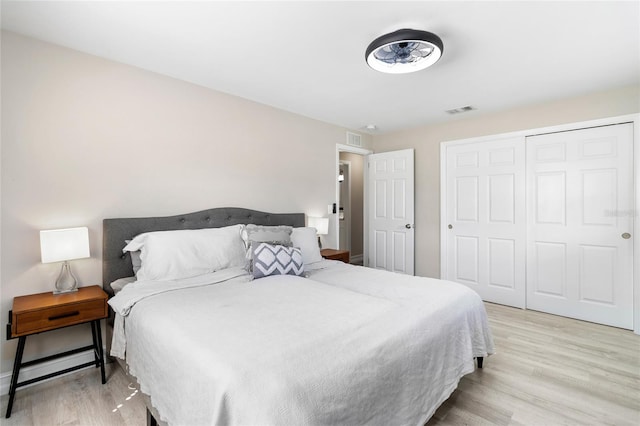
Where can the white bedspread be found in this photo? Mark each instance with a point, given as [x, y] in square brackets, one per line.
[357, 346]
[142, 289]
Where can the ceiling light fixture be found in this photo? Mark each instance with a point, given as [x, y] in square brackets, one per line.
[404, 51]
[461, 109]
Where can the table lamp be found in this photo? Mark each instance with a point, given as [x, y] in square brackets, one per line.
[62, 245]
[322, 226]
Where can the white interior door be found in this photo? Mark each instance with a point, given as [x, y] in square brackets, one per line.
[485, 221]
[391, 211]
[580, 197]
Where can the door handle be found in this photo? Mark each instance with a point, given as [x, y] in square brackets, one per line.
[408, 226]
[450, 226]
[626, 235]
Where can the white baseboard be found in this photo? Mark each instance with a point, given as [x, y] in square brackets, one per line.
[48, 367]
[356, 259]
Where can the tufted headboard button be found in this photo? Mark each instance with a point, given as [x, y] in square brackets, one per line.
[182, 220]
[208, 219]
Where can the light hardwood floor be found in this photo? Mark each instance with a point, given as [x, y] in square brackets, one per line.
[548, 370]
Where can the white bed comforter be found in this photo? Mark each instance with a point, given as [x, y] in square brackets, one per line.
[349, 346]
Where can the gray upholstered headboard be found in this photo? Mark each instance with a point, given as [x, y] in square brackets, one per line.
[116, 265]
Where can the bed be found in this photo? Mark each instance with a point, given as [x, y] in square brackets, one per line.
[340, 345]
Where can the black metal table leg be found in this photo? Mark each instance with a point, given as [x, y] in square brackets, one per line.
[16, 372]
[100, 351]
[96, 353]
[151, 421]
[95, 344]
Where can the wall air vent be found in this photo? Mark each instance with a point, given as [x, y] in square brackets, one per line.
[461, 109]
[354, 139]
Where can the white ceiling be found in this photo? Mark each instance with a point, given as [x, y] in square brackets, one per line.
[308, 57]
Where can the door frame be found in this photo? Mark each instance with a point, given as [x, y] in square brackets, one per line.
[365, 221]
[629, 118]
[347, 216]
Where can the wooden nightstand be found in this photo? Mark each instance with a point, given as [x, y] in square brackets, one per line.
[332, 254]
[42, 312]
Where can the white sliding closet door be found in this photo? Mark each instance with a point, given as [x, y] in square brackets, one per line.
[580, 199]
[485, 219]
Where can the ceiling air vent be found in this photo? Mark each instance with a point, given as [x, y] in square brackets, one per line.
[354, 139]
[461, 109]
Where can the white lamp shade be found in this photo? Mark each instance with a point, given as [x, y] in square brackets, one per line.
[58, 245]
[321, 224]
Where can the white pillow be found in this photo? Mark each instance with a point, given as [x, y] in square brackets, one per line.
[307, 241]
[171, 255]
[135, 259]
[121, 283]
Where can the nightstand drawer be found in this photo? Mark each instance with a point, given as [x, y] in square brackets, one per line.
[342, 255]
[58, 316]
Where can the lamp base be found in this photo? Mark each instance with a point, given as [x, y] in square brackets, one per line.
[65, 291]
[66, 282]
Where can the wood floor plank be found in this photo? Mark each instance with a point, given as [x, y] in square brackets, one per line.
[548, 370]
[554, 370]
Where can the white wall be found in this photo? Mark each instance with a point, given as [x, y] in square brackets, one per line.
[85, 139]
[426, 142]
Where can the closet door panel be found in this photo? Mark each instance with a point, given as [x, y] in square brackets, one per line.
[579, 185]
[485, 228]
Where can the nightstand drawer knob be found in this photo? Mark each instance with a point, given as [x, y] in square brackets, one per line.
[65, 315]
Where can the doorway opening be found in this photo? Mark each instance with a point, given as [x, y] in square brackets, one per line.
[350, 212]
